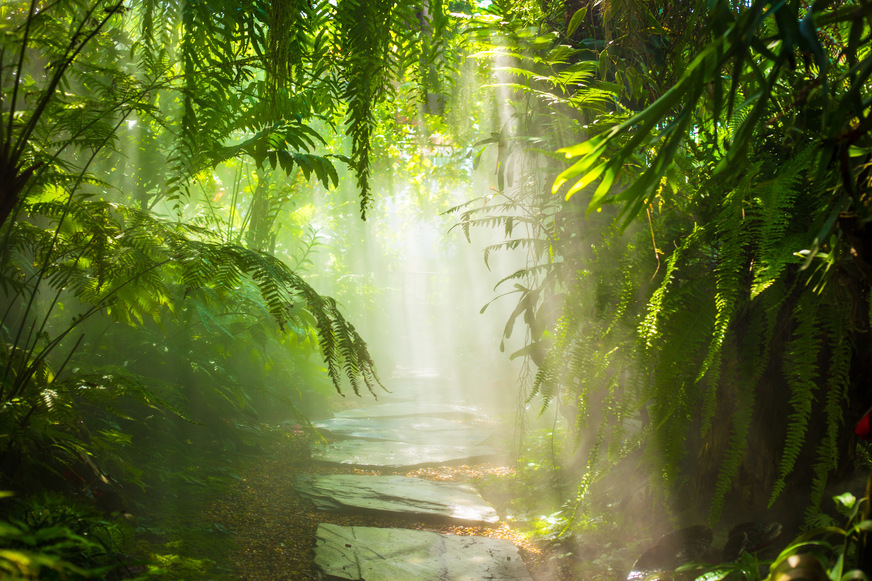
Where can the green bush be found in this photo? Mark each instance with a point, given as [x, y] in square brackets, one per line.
[51, 538]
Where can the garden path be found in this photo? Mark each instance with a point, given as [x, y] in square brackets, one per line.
[410, 429]
[278, 521]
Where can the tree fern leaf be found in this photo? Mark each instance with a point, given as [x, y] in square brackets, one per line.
[836, 390]
[801, 371]
[730, 265]
[740, 425]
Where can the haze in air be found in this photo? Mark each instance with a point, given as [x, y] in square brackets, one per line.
[363, 289]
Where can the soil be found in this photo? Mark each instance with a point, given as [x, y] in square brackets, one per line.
[274, 528]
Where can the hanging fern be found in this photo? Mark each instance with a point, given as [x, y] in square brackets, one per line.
[364, 33]
[801, 369]
[775, 237]
[834, 321]
[649, 329]
[739, 426]
[731, 263]
[128, 261]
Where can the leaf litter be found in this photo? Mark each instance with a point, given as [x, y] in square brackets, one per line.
[274, 528]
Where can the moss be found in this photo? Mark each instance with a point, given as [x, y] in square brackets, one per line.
[189, 552]
[178, 539]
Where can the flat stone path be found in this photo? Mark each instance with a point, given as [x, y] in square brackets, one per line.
[416, 497]
[411, 408]
[411, 429]
[376, 554]
[398, 455]
[407, 434]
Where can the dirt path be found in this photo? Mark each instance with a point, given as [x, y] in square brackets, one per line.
[274, 528]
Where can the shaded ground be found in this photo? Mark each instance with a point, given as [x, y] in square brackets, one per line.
[274, 528]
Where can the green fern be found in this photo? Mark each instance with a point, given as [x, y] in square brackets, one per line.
[801, 370]
[774, 200]
[740, 424]
[834, 322]
[364, 33]
[731, 263]
[144, 250]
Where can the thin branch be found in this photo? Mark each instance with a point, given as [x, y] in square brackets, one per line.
[87, 314]
[7, 153]
[61, 69]
[653, 241]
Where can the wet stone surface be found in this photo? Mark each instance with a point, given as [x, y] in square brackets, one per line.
[387, 554]
[412, 408]
[388, 454]
[412, 430]
[412, 497]
[416, 430]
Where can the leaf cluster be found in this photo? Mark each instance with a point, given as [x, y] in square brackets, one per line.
[734, 188]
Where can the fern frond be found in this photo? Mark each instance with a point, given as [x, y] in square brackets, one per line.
[835, 394]
[364, 30]
[125, 246]
[801, 369]
[774, 198]
[740, 425]
[536, 247]
[731, 241]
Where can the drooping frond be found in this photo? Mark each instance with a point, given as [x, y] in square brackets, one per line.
[131, 255]
[729, 270]
[739, 426]
[835, 393]
[776, 240]
[364, 41]
[801, 369]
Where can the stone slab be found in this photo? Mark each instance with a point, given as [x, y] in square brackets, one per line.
[387, 454]
[377, 554]
[397, 494]
[416, 430]
[412, 408]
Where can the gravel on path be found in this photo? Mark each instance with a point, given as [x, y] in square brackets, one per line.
[275, 528]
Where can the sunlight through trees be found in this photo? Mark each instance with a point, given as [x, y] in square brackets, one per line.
[636, 234]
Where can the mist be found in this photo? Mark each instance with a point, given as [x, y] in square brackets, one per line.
[504, 290]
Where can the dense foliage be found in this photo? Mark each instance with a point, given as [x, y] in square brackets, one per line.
[150, 312]
[697, 298]
[687, 182]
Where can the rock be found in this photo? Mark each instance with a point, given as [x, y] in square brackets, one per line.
[387, 454]
[376, 554]
[417, 430]
[109, 501]
[673, 550]
[397, 494]
[750, 537]
[411, 408]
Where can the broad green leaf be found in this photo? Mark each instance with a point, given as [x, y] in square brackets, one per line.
[583, 148]
[604, 188]
[576, 20]
[581, 166]
[587, 178]
[845, 500]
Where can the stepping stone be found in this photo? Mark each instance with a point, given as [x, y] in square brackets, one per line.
[397, 494]
[415, 430]
[376, 554]
[411, 408]
[387, 454]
